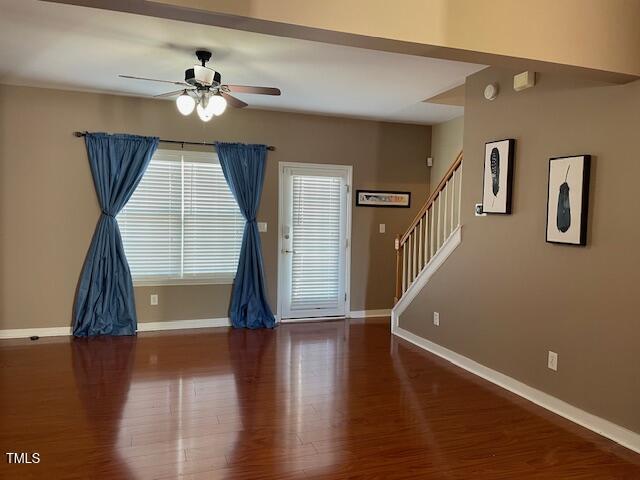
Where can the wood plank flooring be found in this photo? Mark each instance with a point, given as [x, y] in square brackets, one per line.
[333, 400]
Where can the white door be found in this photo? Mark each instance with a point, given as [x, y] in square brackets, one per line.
[314, 245]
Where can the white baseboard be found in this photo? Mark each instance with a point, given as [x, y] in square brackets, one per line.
[310, 319]
[352, 314]
[447, 248]
[39, 332]
[183, 324]
[142, 327]
[171, 325]
[370, 313]
[618, 434]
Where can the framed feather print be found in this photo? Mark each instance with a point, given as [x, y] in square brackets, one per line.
[568, 199]
[498, 176]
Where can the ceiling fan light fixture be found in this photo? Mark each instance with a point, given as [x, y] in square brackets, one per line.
[203, 90]
[204, 113]
[217, 104]
[185, 103]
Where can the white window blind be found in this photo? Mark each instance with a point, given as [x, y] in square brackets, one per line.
[315, 273]
[182, 224]
[213, 224]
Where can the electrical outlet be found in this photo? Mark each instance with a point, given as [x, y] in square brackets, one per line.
[153, 299]
[436, 319]
[552, 361]
[383, 228]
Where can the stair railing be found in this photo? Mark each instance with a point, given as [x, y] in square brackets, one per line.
[434, 223]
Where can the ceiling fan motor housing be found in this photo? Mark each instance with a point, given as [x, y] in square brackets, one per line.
[200, 76]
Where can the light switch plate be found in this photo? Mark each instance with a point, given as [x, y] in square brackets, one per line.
[262, 227]
[552, 361]
[153, 299]
[383, 228]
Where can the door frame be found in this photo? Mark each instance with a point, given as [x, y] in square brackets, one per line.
[348, 169]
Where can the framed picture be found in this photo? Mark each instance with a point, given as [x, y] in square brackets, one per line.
[568, 199]
[498, 176]
[379, 198]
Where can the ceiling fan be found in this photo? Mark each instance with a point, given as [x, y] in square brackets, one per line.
[203, 90]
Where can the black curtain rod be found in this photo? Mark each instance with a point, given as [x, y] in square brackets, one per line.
[178, 142]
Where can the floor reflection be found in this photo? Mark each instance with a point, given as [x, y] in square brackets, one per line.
[403, 361]
[284, 378]
[182, 387]
[102, 368]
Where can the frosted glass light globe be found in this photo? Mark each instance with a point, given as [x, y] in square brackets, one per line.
[185, 103]
[205, 113]
[218, 105]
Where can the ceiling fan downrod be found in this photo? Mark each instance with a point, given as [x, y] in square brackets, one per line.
[204, 56]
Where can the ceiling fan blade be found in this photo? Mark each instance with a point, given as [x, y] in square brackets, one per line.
[233, 101]
[171, 94]
[155, 80]
[256, 90]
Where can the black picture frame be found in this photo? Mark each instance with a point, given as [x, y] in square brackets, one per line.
[510, 164]
[584, 199]
[387, 192]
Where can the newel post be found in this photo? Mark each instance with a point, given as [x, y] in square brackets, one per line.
[398, 270]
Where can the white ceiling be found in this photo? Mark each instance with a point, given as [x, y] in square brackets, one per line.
[70, 47]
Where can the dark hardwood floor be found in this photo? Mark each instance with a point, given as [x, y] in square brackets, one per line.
[317, 400]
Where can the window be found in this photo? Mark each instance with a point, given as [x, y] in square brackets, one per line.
[182, 224]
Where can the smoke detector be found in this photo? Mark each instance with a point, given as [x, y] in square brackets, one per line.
[491, 91]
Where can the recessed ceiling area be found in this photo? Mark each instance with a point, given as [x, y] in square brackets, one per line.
[79, 48]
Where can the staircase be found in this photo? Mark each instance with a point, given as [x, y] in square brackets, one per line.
[433, 234]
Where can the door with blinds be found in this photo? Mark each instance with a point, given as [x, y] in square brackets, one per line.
[314, 244]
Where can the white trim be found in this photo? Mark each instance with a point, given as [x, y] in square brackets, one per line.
[30, 332]
[447, 248]
[183, 324]
[348, 169]
[349, 239]
[618, 434]
[354, 314]
[174, 325]
[311, 319]
[370, 313]
[142, 327]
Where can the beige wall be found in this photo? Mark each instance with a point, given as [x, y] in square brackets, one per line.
[48, 207]
[522, 296]
[446, 145]
[592, 34]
